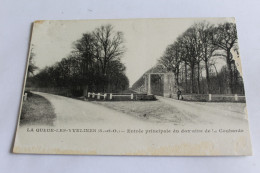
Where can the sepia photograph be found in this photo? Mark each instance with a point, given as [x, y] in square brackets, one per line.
[164, 87]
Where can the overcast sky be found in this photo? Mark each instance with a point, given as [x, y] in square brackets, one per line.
[145, 39]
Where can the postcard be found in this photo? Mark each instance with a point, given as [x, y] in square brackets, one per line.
[160, 87]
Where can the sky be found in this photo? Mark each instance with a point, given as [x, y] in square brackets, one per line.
[145, 39]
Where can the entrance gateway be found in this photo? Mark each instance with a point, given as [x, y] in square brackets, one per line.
[162, 84]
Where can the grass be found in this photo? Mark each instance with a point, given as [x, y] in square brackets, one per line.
[37, 110]
[154, 111]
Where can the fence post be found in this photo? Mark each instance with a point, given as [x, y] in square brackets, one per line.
[132, 96]
[105, 95]
[236, 97]
[111, 96]
[25, 97]
[149, 85]
[209, 97]
[98, 96]
[93, 95]
[88, 94]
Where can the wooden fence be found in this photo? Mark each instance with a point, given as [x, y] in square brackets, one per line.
[120, 96]
[109, 96]
[213, 97]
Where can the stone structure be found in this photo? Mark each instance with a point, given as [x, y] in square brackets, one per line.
[162, 84]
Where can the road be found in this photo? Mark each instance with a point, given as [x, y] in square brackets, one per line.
[72, 112]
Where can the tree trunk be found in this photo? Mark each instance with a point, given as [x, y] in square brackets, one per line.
[85, 90]
[207, 76]
[230, 81]
[219, 81]
[177, 77]
[186, 78]
[192, 79]
[235, 86]
[198, 79]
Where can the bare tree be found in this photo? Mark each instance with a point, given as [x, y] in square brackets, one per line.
[183, 50]
[31, 67]
[84, 52]
[108, 46]
[225, 38]
[205, 31]
[193, 54]
[171, 60]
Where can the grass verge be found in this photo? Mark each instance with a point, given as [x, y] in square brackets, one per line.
[37, 110]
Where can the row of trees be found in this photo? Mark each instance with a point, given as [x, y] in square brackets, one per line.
[194, 55]
[94, 64]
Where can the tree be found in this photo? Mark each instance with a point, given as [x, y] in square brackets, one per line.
[183, 50]
[108, 46]
[225, 38]
[32, 67]
[205, 31]
[84, 53]
[192, 46]
[94, 65]
[171, 60]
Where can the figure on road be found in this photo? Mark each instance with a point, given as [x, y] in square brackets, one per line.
[179, 94]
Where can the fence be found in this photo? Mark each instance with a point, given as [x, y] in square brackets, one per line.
[213, 97]
[230, 98]
[109, 96]
[119, 96]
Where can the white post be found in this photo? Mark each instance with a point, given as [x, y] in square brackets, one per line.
[98, 96]
[25, 97]
[93, 95]
[132, 96]
[88, 94]
[111, 96]
[145, 84]
[149, 84]
[105, 95]
[236, 97]
[209, 97]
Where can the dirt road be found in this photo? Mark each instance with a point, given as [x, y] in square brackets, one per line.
[72, 112]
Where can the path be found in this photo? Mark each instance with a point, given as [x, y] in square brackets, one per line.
[72, 112]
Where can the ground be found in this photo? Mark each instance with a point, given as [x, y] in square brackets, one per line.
[154, 111]
[165, 110]
[77, 113]
[115, 119]
[37, 110]
[180, 112]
